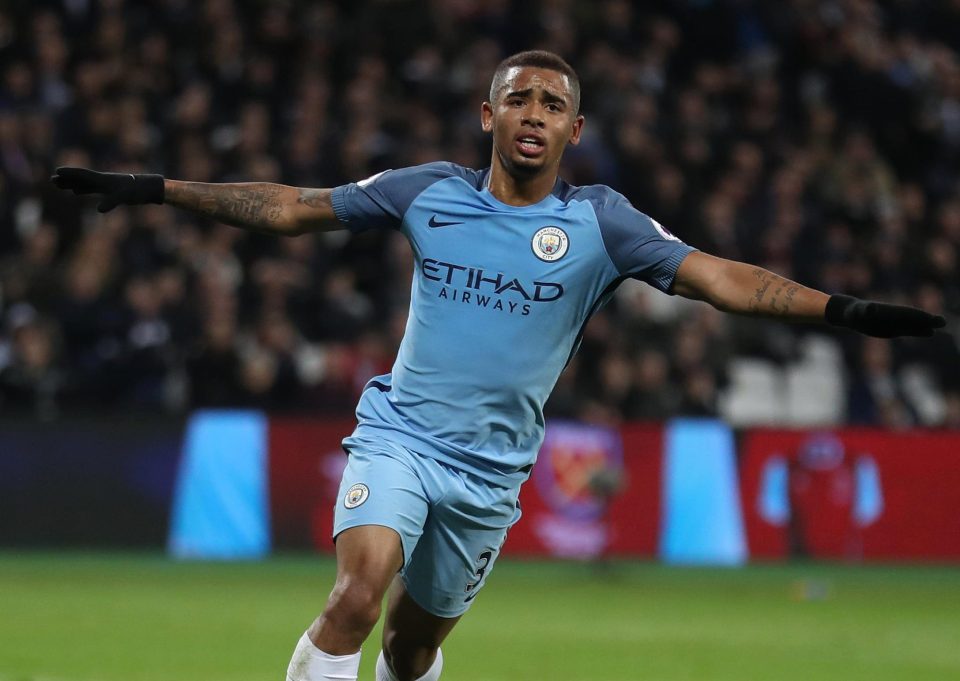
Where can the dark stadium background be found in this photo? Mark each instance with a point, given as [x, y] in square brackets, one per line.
[817, 138]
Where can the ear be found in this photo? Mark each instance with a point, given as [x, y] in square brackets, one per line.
[577, 129]
[486, 117]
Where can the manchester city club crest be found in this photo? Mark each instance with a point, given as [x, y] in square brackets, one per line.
[356, 495]
[550, 243]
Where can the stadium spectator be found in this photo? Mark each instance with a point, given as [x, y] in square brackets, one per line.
[821, 140]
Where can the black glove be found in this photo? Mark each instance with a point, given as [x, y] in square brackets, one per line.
[116, 188]
[881, 319]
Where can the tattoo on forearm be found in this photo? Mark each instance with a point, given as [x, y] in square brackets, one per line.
[760, 303]
[764, 278]
[776, 295]
[791, 292]
[315, 198]
[256, 205]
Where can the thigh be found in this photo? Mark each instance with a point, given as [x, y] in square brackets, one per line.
[460, 544]
[368, 558]
[379, 488]
[370, 553]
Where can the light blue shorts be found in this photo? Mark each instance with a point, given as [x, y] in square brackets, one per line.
[451, 523]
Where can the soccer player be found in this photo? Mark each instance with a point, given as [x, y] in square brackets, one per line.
[511, 262]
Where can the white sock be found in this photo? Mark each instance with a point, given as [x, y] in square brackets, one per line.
[309, 663]
[384, 673]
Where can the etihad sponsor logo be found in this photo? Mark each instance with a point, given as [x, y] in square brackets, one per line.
[483, 288]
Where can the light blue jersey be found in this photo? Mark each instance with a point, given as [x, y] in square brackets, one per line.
[499, 300]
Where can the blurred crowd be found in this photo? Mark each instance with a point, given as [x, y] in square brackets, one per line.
[817, 138]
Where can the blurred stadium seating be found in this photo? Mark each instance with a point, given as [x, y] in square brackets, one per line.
[819, 139]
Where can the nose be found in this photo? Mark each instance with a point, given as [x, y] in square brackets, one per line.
[533, 116]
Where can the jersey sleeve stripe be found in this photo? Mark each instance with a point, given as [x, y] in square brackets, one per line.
[340, 205]
[667, 271]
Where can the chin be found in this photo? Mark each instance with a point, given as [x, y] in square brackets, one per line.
[527, 166]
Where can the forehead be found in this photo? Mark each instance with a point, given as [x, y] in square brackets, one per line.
[520, 78]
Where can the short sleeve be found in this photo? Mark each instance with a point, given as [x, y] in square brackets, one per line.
[639, 246]
[380, 201]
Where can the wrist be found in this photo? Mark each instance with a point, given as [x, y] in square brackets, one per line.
[149, 188]
[837, 308]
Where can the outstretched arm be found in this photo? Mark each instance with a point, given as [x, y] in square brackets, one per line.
[746, 289]
[260, 206]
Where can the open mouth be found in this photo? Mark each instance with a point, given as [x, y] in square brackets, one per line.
[530, 145]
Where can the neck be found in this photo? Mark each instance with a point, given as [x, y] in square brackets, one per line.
[519, 191]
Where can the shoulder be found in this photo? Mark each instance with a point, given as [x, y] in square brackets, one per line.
[448, 169]
[612, 208]
[397, 188]
[381, 200]
[637, 244]
[427, 174]
[600, 196]
[403, 185]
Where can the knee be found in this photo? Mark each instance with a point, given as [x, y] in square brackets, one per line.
[354, 605]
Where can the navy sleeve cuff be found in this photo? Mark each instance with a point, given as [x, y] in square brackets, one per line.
[339, 202]
[668, 271]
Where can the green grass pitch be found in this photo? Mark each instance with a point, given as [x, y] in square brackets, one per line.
[80, 617]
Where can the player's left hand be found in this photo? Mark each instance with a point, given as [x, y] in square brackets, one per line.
[882, 320]
[114, 188]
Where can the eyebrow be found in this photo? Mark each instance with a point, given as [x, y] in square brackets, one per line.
[547, 95]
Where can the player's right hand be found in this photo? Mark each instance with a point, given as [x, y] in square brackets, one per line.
[881, 320]
[115, 188]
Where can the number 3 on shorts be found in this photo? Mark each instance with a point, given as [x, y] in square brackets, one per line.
[482, 563]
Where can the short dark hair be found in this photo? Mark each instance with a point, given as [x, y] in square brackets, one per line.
[539, 59]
